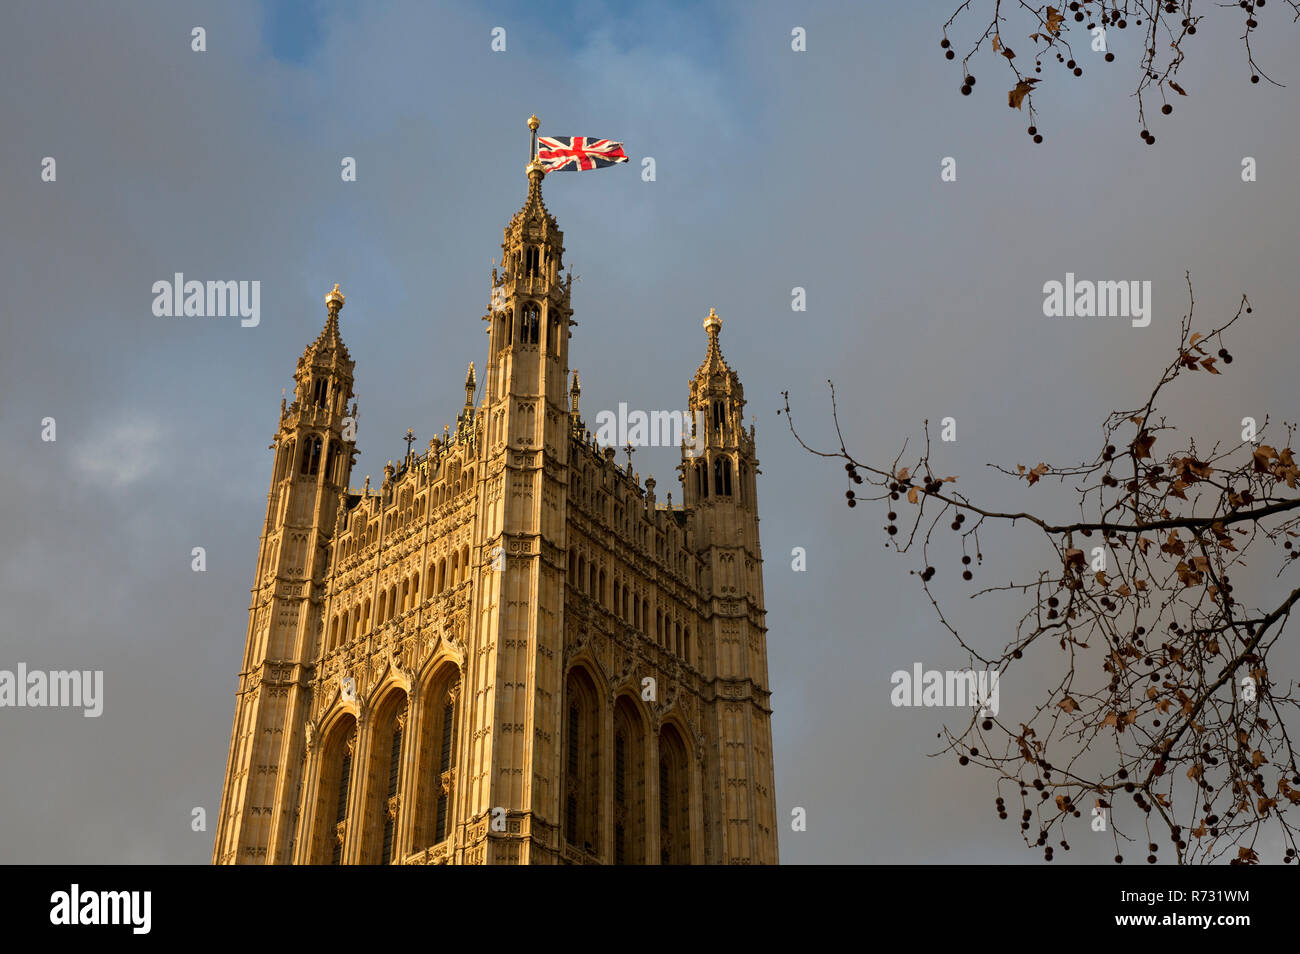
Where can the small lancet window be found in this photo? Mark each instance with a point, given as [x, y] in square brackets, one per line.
[532, 262]
[318, 398]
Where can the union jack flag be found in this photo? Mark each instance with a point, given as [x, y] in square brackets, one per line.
[574, 153]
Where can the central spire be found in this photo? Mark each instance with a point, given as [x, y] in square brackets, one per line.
[529, 311]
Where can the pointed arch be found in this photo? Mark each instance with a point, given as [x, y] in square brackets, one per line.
[334, 463]
[674, 797]
[722, 477]
[311, 449]
[629, 783]
[436, 775]
[338, 746]
[530, 323]
[581, 802]
[382, 806]
[287, 455]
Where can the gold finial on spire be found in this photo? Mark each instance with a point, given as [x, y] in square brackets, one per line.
[712, 323]
[334, 300]
[533, 164]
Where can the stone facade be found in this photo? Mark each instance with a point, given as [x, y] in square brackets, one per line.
[511, 652]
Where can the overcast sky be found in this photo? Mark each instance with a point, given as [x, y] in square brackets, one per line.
[775, 169]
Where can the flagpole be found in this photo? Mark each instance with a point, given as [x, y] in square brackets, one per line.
[533, 123]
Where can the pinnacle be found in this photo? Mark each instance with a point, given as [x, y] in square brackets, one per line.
[714, 363]
[330, 339]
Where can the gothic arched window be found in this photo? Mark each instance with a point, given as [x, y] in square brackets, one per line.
[390, 816]
[311, 456]
[532, 262]
[674, 798]
[334, 463]
[286, 461]
[530, 324]
[582, 748]
[446, 748]
[438, 757]
[722, 477]
[331, 808]
[318, 397]
[629, 783]
[379, 780]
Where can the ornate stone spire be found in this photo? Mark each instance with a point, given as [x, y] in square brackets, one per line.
[534, 209]
[329, 339]
[714, 363]
[471, 385]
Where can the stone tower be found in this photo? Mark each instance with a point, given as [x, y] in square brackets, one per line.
[313, 461]
[720, 485]
[517, 680]
[512, 652]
